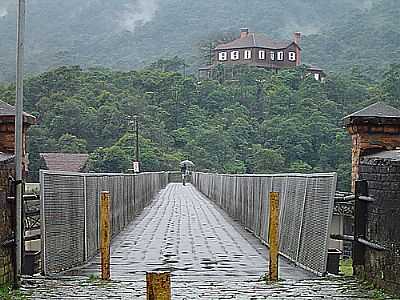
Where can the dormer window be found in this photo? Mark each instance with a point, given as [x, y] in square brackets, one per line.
[280, 55]
[292, 56]
[261, 54]
[234, 55]
[247, 54]
[272, 56]
[222, 56]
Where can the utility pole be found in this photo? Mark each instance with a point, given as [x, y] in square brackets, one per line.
[137, 137]
[19, 241]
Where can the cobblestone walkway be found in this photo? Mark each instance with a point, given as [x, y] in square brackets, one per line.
[213, 289]
[210, 257]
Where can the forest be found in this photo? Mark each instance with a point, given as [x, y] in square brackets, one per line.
[263, 122]
[128, 34]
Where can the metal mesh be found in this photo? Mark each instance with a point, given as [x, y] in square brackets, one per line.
[306, 208]
[70, 212]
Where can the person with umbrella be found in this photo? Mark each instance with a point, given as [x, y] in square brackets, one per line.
[185, 169]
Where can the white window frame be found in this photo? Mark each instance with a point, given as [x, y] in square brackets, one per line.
[261, 54]
[292, 56]
[317, 76]
[280, 55]
[247, 54]
[272, 54]
[222, 56]
[235, 55]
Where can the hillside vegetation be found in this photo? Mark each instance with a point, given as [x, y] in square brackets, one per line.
[126, 34]
[262, 123]
[370, 39]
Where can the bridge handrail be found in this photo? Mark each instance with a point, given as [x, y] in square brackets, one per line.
[306, 209]
[70, 211]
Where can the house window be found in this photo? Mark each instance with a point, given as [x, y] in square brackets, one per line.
[292, 56]
[234, 55]
[272, 55]
[280, 55]
[316, 76]
[261, 54]
[247, 54]
[222, 56]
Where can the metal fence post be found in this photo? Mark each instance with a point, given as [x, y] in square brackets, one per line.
[158, 286]
[360, 218]
[105, 235]
[273, 235]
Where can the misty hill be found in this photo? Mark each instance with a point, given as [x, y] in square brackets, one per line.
[367, 38]
[125, 34]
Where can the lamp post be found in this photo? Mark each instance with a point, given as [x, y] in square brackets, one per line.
[136, 165]
[19, 241]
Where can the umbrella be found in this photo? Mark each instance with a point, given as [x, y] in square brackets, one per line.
[186, 163]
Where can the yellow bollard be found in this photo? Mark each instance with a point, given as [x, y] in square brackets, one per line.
[273, 235]
[158, 286]
[105, 235]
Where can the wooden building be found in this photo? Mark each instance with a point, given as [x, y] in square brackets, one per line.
[257, 50]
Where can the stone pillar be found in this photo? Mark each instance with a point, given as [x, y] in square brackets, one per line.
[7, 168]
[373, 129]
[6, 253]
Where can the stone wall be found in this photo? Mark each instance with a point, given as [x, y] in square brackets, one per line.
[382, 171]
[6, 261]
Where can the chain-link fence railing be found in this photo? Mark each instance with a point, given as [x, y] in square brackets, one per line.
[70, 212]
[306, 208]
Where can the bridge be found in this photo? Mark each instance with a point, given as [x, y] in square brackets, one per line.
[211, 234]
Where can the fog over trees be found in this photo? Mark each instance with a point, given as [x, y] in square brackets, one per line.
[126, 34]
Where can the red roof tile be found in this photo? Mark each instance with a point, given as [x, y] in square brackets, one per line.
[69, 162]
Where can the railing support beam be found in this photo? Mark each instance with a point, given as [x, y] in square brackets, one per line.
[105, 235]
[158, 286]
[273, 235]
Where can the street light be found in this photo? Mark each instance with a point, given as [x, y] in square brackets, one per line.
[19, 240]
[136, 165]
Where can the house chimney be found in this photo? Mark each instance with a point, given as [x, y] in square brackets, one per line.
[373, 129]
[297, 38]
[244, 32]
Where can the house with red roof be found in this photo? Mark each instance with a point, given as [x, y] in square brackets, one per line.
[257, 50]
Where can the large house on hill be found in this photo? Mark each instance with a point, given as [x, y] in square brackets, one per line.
[256, 49]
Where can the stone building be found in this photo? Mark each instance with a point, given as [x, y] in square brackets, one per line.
[7, 170]
[382, 172]
[375, 134]
[373, 129]
[6, 222]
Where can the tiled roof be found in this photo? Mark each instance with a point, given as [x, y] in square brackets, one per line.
[6, 157]
[379, 110]
[69, 162]
[387, 155]
[254, 40]
[7, 110]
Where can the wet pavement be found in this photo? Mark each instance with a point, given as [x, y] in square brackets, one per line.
[77, 288]
[185, 233]
[210, 257]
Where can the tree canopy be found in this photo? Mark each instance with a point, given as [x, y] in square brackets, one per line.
[262, 122]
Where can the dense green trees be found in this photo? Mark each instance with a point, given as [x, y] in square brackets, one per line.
[338, 33]
[260, 123]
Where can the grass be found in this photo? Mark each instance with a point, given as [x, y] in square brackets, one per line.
[346, 267]
[265, 278]
[7, 293]
[94, 278]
